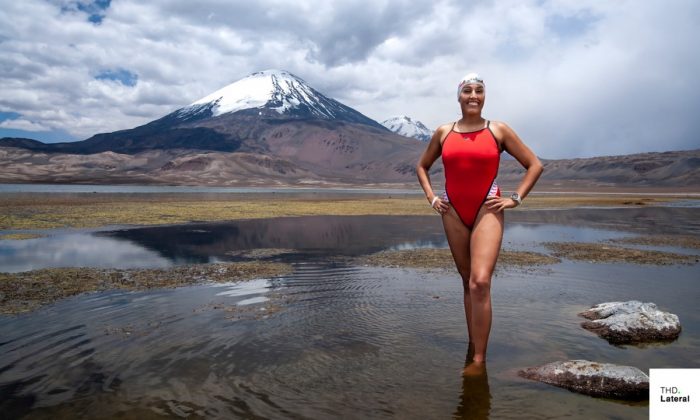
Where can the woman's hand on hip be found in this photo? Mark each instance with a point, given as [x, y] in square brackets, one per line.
[440, 206]
[499, 203]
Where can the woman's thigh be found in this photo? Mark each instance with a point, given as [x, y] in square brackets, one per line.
[458, 239]
[486, 239]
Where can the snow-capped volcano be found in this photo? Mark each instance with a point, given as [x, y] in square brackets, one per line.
[275, 90]
[405, 126]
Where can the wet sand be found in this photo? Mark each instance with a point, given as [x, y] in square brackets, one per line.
[25, 211]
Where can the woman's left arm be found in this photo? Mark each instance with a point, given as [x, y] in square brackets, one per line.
[512, 144]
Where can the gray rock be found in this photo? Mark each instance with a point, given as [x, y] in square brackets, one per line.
[631, 322]
[594, 379]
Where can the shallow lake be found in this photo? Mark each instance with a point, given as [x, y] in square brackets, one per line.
[333, 338]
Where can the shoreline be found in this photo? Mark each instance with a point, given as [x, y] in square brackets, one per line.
[45, 211]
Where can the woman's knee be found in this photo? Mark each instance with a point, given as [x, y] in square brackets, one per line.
[480, 283]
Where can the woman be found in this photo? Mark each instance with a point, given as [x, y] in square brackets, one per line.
[472, 206]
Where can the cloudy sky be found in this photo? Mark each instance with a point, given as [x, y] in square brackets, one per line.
[575, 78]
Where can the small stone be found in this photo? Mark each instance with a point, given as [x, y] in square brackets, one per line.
[631, 322]
[591, 378]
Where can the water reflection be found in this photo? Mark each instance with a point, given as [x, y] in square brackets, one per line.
[320, 237]
[475, 400]
[664, 220]
[76, 250]
[310, 236]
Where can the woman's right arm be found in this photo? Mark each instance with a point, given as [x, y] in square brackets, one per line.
[432, 152]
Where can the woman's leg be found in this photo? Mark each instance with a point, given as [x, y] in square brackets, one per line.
[458, 239]
[485, 242]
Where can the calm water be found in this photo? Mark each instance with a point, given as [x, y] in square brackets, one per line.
[332, 339]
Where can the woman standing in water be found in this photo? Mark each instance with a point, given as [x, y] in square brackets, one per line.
[471, 206]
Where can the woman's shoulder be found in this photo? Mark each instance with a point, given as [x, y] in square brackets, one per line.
[499, 128]
[498, 124]
[442, 131]
[444, 128]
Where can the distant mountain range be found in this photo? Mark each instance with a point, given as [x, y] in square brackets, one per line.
[408, 127]
[276, 127]
[272, 129]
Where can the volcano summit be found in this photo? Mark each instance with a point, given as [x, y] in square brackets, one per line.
[274, 90]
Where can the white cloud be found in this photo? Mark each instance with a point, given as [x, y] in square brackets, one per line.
[21, 124]
[574, 78]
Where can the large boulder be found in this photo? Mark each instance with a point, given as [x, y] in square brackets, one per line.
[631, 322]
[594, 379]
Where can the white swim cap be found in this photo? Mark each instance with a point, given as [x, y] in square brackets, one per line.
[470, 79]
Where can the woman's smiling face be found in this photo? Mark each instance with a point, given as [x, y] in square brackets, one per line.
[471, 97]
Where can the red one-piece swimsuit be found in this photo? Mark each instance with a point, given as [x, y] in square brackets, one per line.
[471, 164]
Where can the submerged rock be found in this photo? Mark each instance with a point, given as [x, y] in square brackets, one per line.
[594, 379]
[631, 322]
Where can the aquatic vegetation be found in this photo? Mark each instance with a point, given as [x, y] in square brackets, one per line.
[604, 253]
[258, 253]
[442, 258]
[682, 241]
[26, 291]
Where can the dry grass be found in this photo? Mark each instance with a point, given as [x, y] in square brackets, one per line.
[84, 213]
[19, 236]
[604, 253]
[22, 292]
[593, 200]
[47, 211]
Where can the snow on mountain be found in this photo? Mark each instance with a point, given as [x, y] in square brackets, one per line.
[276, 90]
[405, 126]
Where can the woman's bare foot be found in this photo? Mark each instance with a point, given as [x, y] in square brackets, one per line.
[474, 369]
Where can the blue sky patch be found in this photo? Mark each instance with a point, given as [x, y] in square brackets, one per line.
[55, 136]
[122, 76]
[94, 9]
[9, 116]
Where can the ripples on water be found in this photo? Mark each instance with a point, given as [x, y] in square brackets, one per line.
[332, 339]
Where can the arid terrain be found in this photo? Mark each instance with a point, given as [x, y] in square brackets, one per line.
[655, 172]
